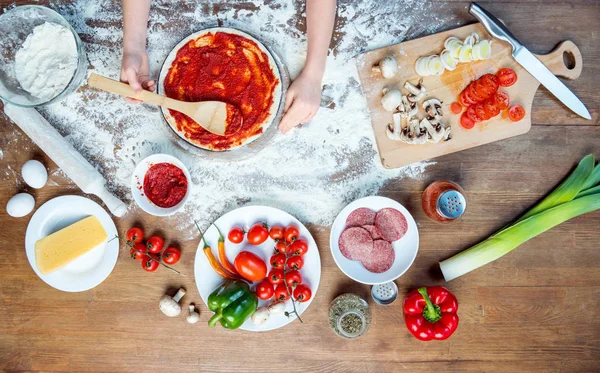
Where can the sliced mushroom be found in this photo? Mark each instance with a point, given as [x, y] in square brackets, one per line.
[433, 109]
[394, 130]
[416, 92]
[392, 98]
[434, 134]
[387, 67]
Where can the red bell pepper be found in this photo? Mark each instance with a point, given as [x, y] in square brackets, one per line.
[430, 313]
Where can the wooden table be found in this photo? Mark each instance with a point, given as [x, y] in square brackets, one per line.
[535, 310]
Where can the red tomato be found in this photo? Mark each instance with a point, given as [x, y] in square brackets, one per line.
[298, 247]
[302, 293]
[277, 261]
[502, 100]
[150, 265]
[480, 110]
[236, 235]
[134, 235]
[463, 99]
[472, 114]
[483, 89]
[276, 232]
[474, 93]
[291, 233]
[276, 276]
[506, 77]
[456, 108]
[258, 234]
[264, 290]
[295, 262]
[491, 81]
[171, 255]
[281, 247]
[155, 244]
[138, 251]
[293, 278]
[490, 108]
[281, 293]
[250, 266]
[516, 113]
[466, 122]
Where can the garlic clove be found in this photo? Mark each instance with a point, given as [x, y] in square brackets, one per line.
[260, 316]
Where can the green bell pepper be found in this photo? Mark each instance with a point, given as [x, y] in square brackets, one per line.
[232, 302]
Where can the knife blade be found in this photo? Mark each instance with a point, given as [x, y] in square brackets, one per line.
[530, 62]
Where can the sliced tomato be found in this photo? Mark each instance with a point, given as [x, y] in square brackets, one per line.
[480, 111]
[502, 100]
[465, 99]
[466, 122]
[474, 94]
[484, 88]
[492, 81]
[506, 77]
[490, 108]
[456, 108]
[472, 114]
[516, 113]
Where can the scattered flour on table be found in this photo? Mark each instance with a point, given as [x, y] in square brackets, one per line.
[46, 62]
[311, 173]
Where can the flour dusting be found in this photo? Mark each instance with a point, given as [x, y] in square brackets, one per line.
[311, 173]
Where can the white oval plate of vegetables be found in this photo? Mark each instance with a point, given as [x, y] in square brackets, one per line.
[207, 279]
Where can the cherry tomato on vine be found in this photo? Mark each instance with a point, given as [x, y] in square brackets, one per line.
[138, 251]
[155, 244]
[293, 278]
[276, 276]
[298, 247]
[236, 235]
[134, 235]
[277, 261]
[295, 263]
[291, 233]
[258, 234]
[281, 293]
[302, 293]
[276, 232]
[516, 113]
[150, 265]
[506, 77]
[171, 255]
[265, 290]
[281, 247]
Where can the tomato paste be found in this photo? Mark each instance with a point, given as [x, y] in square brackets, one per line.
[165, 185]
[223, 67]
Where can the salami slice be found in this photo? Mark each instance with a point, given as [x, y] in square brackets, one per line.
[374, 231]
[391, 223]
[381, 257]
[359, 217]
[355, 243]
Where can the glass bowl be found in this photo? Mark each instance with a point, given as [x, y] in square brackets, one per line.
[15, 25]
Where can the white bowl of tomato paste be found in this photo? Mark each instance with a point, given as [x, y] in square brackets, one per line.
[160, 184]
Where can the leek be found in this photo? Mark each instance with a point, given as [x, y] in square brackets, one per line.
[587, 192]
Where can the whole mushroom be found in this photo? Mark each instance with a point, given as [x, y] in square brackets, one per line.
[192, 317]
[170, 305]
[387, 67]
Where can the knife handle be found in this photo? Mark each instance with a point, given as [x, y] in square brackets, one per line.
[494, 26]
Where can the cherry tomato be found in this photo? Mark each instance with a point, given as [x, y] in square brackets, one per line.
[281, 293]
[134, 235]
[150, 265]
[302, 293]
[155, 244]
[265, 290]
[281, 247]
[456, 108]
[466, 122]
[502, 100]
[277, 261]
[293, 278]
[236, 235]
[250, 266]
[171, 255]
[295, 262]
[516, 113]
[291, 233]
[298, 247]
[258, 234]
[506, 77]
[276, 232]
[276, 276]
[138, 251]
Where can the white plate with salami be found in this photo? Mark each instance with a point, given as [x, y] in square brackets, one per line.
[374, 240]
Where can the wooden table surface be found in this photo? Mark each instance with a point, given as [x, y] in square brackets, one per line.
[535, 310]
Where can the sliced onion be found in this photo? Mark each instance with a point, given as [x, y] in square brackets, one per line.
[435, 65]
[485, 49]
[421, 66]
[465, 53]
[448, 61]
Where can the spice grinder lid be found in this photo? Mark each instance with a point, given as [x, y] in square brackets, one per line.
[385, 294]
[451, 204]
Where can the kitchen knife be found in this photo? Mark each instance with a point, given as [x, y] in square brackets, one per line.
[530, 62]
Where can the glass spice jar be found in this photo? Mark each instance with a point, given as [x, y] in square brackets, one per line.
[349, 316]
[444, 201]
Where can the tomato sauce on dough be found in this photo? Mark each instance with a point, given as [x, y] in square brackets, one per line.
[165, 185]
[223, 67]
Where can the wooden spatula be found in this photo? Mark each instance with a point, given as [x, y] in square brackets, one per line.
[212, 115]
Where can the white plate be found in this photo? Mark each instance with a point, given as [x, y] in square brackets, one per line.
[90, 269]
[207, 280]
[405, 248]
[137, 181]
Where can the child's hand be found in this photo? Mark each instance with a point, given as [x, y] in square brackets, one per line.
[135, 71]
[302, 101]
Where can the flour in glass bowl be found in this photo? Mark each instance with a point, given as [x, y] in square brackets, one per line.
[46, 62]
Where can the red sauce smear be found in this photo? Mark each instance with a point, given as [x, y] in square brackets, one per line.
[165, 185]
[222, 67]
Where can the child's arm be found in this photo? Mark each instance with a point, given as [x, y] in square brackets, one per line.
[135, 67]
[303, 98]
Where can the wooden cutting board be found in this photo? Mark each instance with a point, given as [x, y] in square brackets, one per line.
[447, 87]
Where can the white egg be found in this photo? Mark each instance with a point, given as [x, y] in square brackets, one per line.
[20, 205]
[34, 173]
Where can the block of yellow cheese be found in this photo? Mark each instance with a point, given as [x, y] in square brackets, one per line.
[60, 248]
